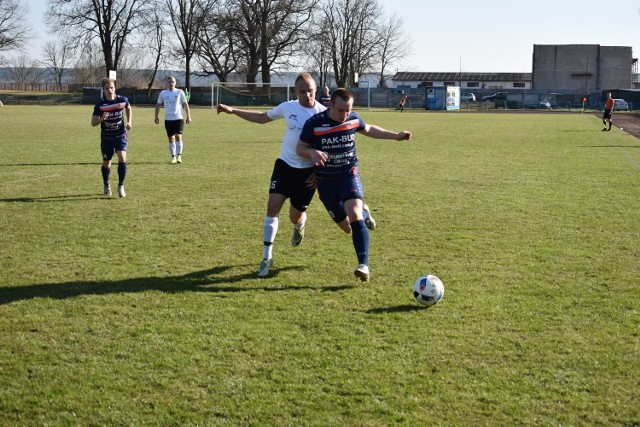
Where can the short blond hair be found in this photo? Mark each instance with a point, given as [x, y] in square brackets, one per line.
[305, 77]
[108, 81]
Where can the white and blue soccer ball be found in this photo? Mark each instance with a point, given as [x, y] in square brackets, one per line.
[428, 290]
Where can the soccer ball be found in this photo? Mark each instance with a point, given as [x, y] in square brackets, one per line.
[428, 290]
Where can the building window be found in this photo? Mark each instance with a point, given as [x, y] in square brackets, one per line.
[426, 84]
[449, 83]
[519, 84]
[473, 84]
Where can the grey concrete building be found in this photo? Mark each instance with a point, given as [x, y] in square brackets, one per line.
[583, 69]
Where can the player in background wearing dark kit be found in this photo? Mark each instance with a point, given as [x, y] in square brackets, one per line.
[109, 114]
[608, 109]
[292, 176]
[174, 101]
[325, 99]
[402, 103]
[328, 139]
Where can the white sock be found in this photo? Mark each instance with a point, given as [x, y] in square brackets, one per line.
[179, 148]
[301, 223]
[270, 229]
[172, 149]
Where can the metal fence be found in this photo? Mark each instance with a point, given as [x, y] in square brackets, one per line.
[385, 98]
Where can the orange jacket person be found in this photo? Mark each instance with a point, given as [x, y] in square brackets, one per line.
[608, 109]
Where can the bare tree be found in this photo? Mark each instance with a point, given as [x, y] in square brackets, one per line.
[318, 59]
[110, 21]
[153, 43]
[218, 49]
[246, 26]
[132, 71]
[394, 46]
[351, 36]
[89, 69]
[24, 71]
[14, 31]
[285, 29]
[269, 32]
[188, 18]
[57, 56]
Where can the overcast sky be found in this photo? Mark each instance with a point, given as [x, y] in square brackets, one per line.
[486, 36]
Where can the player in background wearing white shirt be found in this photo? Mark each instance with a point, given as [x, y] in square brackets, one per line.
[174, 101]
[292, 175]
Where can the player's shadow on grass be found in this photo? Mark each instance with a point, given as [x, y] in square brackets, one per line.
[212, 280]
[51, 164]
[396, 309]
[49, 199]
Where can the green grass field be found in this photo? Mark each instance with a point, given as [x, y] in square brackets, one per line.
[145, 310]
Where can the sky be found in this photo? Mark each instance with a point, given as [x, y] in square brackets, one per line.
[484, 36]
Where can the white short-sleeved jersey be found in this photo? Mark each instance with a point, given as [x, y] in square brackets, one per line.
[295, 115]
[173, 101]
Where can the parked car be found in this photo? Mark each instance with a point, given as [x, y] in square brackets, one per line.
[468, 97]
[620, 105]
[498, 96]
[544, 104]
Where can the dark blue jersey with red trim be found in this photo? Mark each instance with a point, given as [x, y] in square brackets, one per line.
[114, 125]
[337, 139]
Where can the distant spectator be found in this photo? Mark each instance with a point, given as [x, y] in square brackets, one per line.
[401, 104]
[1, 104]
[608, 109]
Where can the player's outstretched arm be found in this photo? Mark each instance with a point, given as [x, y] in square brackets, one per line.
[377, 132]
[248, 115]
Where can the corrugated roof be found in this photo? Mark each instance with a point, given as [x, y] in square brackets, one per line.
[469, 77]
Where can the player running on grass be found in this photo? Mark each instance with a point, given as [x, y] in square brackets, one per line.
[292, 177]
[109, 114]
[328, 140]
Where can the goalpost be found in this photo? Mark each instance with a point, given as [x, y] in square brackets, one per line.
[249, 94]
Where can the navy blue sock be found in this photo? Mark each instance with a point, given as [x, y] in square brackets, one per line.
[122, 172]
[360, 237]
[105, 175]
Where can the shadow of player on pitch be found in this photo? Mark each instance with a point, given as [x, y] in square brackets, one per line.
[214, 280]
[396, 309]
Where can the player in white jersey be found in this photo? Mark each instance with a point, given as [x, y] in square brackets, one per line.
[174, 101]
[292, 175]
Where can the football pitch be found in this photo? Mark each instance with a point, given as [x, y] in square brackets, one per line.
[146, 310]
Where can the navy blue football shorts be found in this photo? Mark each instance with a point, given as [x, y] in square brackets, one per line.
[112, 145]
[174, 127]
[333, 192]
[291, 183]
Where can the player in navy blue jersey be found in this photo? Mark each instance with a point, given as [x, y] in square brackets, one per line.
[328, 140]
[325, 99]
[109, 114]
